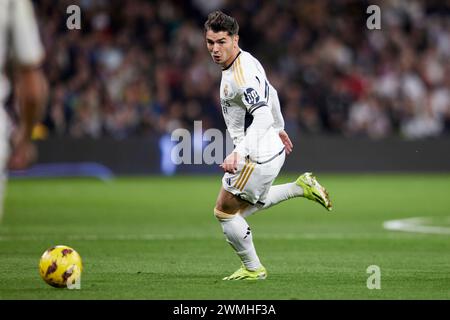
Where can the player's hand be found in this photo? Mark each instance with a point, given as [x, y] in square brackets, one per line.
[230, 163]
[288, 146]
[24, 152]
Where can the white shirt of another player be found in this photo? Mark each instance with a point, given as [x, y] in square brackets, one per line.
[19, 34]
[245, 88]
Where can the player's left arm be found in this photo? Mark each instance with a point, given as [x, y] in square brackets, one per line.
[286, 141]
[279, 120]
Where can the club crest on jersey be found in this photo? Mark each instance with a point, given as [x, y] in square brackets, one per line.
[225, 90]
[251, 96]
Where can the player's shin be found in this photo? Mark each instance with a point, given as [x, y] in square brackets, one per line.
[276, 194]
[238, 234]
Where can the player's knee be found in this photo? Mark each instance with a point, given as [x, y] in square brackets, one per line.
[221, 214]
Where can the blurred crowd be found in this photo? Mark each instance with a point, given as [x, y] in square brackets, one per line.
[140, 68]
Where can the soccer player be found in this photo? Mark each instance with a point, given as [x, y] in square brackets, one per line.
[21, 47]
[259, 153]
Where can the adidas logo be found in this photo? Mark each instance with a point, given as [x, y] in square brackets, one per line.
[247, 233]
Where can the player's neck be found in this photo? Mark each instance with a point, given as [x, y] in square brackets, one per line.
[232, 59]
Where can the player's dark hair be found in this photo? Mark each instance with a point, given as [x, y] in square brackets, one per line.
[219, 21]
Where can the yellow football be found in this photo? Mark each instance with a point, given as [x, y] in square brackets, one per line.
[61, 267]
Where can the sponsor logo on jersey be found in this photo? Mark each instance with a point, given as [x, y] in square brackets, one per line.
[251, 96]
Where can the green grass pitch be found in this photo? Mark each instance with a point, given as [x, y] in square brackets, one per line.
[157, 238]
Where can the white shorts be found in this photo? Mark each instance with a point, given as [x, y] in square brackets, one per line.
[5, 128]
[252, 180]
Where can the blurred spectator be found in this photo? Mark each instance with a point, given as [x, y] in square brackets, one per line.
[138, 67]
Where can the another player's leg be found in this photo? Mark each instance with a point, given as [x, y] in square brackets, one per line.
[4, 156]
[238, 234]
[305, 186]
[2, 193]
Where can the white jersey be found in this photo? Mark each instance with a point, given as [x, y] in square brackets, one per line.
[245, 88]
[19, 35]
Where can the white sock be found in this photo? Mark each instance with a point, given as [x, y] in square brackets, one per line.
[276, 194]
[238, 235]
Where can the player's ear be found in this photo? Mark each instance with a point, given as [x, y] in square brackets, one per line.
[236, 40]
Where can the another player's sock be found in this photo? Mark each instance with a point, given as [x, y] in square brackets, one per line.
[275, 195]
[239, 236]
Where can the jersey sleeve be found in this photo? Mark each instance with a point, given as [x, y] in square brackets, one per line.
[262, 121]
[252, 88]
[27, 46]
[276, 110]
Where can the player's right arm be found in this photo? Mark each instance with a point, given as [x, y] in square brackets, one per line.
[254, 92]
[262, 121]
[30, 82]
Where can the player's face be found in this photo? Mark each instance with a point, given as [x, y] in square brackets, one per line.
[222, 47]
